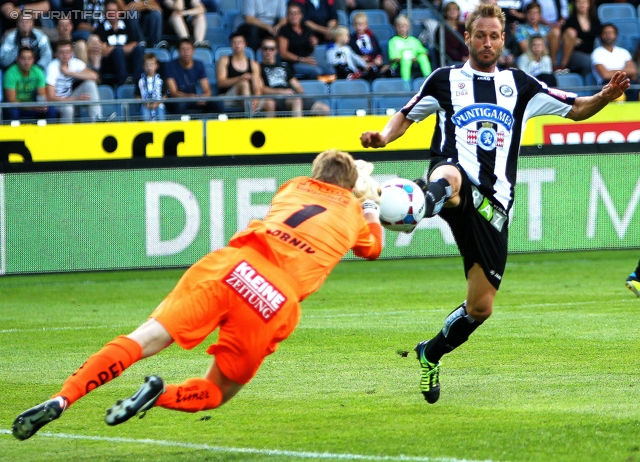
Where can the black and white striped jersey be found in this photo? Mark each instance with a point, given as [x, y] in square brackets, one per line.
[481, 118]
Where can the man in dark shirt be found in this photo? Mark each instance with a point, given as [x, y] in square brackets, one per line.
[279, 79]
[121, 41]
[187, 78]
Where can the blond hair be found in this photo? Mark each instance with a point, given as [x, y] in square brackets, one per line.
[484, 10]
[359, 16]
[338, 31]
[335, 167]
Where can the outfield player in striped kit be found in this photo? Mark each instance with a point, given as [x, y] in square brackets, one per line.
[481, 113]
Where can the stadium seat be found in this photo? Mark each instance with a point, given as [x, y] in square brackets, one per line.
[229, 19]
[374, 16]
[607, 12]
[163, 54]
[382, 101]
[417, 83]
[213, 20]
[569, 81]
[383, 32]
[348, 96]
[628, 33]
[419, 14]
[230, 5]
[217, 36]
[203, 54]
[317, 89]
[226, 50]
[343, 19]
[107, 93]
[320, 53]
[210, 69]
[126, 92]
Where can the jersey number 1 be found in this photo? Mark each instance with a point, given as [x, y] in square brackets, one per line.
[299, 217]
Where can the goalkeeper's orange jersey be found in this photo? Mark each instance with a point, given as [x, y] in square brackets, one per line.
[311, 225]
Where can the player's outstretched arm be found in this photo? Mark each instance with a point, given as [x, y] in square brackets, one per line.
[586, 106]
[395, 128]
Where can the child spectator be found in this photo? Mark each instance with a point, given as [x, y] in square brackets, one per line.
[364, 43]
[340, 55]
[537, 62]
[407, 52]
[151, 87]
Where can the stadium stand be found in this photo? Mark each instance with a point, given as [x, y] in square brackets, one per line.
[347, 96]
[383, 102]
[374, 16]
[383, 32]
[126, 92]
[608, 12]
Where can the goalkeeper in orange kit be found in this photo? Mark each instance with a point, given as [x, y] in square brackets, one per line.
[251, 290]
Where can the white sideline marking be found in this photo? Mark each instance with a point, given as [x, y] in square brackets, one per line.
[262, 452]
[44, 329]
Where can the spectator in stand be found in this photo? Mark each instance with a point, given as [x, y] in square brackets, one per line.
[11, 10]
[121, 47]
[407, 54]
[24, 35]
[87, 17]
[23, 83]
[69, 79]
[64, 27]
[456, 50]
[391, 7]
[578, 37]
[180, 12]
[151, 86]
[347, 63]
[365, 44]
[149, 23]
[533, 26]
[553, 13]
[237, 75]
[296, 43]
[321, 16]
[262, 18]
[110, 71]
[609, 58]
[186, 78]
[536, 61]
[279, 79]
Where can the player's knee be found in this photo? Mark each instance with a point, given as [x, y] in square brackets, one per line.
[480, 311]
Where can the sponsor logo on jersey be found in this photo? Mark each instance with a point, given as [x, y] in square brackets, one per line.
[487, 138]
[483, 112]
[483, 77]
[563, 95]
[506, 90]
[257, 291]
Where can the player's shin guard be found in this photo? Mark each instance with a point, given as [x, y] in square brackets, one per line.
[436, 193]
[193, 395]
[100, 368]
[457, 328]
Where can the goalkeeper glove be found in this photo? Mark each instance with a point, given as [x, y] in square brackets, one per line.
[366, 188]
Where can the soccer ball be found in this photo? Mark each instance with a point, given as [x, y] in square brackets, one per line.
[402, 205]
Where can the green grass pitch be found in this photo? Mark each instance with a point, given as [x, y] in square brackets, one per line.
[552, 376]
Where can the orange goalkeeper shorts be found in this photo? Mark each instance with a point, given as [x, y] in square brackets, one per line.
[251, 300]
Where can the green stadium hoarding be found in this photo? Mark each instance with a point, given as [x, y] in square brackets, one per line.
[61, 221]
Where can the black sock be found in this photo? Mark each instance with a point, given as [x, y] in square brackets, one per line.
[457, 328]
[436, 195]
[637, 271]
